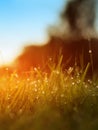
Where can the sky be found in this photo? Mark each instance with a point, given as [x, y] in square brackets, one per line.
[23, 22]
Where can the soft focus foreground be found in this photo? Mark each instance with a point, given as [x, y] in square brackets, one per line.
[36, 100]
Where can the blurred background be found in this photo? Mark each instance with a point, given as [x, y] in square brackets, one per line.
[26, 24]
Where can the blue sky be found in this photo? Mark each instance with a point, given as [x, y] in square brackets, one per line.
[24, 21]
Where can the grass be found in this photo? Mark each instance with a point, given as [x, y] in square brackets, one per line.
[61, 100]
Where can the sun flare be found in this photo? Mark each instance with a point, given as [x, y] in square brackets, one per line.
[7, 55]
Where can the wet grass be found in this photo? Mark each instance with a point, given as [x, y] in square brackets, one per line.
[61, 100]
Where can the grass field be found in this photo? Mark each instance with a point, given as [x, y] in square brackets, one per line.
[61, 100]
